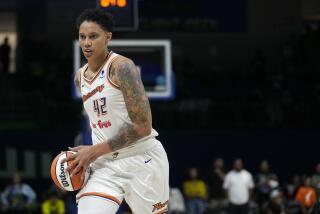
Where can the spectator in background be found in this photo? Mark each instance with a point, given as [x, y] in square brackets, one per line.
[306, 196]
[67, 197]
[195, 191]
[293, 187]
[5, 55]
[176, 202]
[215, 182]
[18, 197]
[265, 182]
[276, 205]
[290, 191]
[53, 205]
[238, 184]
[315, 180]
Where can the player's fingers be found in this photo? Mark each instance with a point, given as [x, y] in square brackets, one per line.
[75, 149]
[60, 154]
[71, 166]
[76, 170]
[83, 172]
[69, 158]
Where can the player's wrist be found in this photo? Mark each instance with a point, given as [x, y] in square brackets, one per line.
[101, 149]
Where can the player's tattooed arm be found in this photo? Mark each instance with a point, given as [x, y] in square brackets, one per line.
[77, 79]
[129, 80]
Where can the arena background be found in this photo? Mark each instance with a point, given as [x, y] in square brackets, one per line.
[246, 84]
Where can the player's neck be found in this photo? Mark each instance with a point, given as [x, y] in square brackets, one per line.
[96, 64]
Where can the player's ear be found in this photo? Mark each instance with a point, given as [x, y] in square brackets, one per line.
[108, 36]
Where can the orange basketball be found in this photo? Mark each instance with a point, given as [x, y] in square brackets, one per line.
[61, 178]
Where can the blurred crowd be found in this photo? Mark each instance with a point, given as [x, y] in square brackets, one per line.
[18, 197]
[238, 191]
[219, 191]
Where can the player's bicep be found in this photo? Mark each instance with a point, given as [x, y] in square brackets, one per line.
[131, 85]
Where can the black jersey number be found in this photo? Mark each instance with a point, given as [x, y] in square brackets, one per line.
[99, 106]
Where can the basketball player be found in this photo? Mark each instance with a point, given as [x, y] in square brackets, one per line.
[126, 160]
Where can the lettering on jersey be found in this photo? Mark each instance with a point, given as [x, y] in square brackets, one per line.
[159, 206]
[99, 106]
[101, 124]
[93, 92]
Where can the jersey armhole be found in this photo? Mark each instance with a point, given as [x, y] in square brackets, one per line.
[82, 75]
[108, 75]
[77, 79]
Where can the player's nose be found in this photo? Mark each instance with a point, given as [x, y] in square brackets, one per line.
[87, 43]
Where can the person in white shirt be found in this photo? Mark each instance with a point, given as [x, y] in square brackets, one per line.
[176, 202]
[238, 185]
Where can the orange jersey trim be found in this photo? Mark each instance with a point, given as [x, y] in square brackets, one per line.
[112, 198]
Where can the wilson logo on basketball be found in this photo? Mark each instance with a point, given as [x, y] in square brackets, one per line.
[93, 92]
[63, 176]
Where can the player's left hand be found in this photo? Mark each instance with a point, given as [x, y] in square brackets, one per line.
[81, 160]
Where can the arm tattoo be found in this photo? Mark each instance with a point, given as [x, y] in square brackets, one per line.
[126, 136]
[137, 105]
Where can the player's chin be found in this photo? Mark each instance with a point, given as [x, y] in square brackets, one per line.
[88, 55]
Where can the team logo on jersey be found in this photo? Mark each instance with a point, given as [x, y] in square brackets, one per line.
[115, 155]
[147, 161]
[161, 206]
[93, 92]
[101, 125]
[102, 75]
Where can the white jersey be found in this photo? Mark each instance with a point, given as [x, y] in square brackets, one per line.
[139, 173]
[104, 104]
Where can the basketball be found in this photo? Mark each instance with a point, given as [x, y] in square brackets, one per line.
[61, 178]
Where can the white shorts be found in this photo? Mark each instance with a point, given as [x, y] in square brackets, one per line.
[139, 174]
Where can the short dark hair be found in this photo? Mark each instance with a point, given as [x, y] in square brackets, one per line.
[101, 17]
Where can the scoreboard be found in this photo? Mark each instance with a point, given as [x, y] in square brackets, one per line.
[125, 13]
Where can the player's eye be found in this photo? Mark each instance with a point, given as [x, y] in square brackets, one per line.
[93, 36]
[82, 37]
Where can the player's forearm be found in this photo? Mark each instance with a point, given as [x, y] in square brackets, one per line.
[127, 135]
